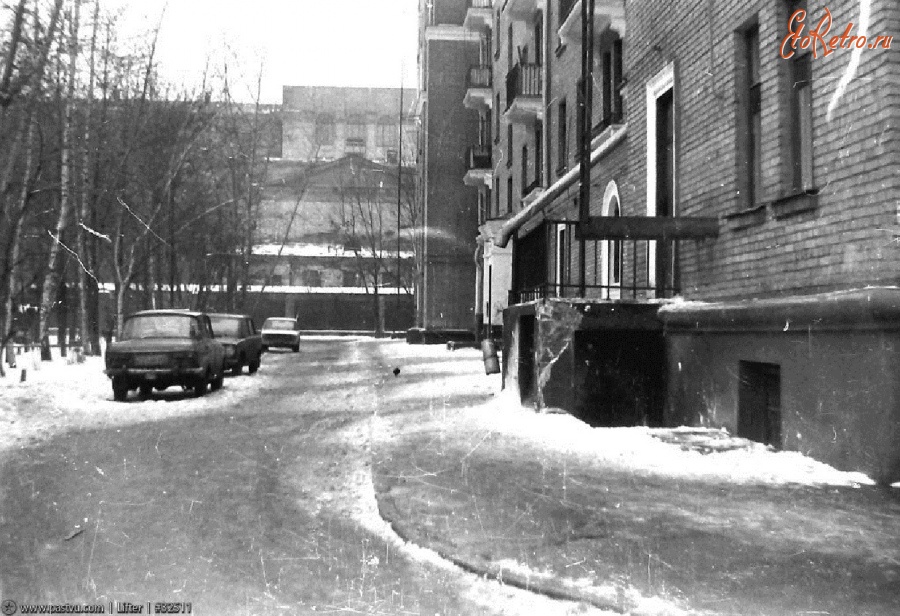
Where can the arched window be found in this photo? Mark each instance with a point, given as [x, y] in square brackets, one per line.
[613, 255]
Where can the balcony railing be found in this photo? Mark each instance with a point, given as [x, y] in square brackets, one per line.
[479, 4]
[644, 269]
[523, 81]
[480, 76]
[478, 157]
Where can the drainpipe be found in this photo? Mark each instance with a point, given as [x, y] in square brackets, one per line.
[587, 82]
[479, 289]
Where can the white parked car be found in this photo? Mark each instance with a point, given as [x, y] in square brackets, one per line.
[281, 332]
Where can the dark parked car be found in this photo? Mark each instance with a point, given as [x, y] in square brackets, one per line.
[281, 332]
[161, 348]
[243, 344]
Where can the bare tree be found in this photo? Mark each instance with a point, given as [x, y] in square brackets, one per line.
[368, 221]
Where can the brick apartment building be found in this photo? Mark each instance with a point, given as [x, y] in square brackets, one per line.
[732, 261]
[449, 132]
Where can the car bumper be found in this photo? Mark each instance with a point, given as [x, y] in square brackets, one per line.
[150, 374]
[280, 342]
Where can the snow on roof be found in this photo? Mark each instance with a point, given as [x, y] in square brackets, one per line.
[320, 250]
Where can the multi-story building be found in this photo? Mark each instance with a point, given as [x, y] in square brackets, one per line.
[732, 260]
[339, 207]
[449, 139]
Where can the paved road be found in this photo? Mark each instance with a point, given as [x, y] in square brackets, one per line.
[260, 508]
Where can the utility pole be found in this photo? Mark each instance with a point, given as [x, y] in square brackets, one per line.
[399, 184]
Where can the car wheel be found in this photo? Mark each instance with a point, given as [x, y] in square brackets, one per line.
[296, 348]
[146, 390]
[236, 370]
[265, 349]
[200, 386]
[120, 389]
[217, 381]
[253, 366]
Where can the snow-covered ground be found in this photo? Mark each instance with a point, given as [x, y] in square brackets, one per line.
[63, 395]
[678, 453]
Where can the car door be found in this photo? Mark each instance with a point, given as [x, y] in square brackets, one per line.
[254, 342]
[201, 342]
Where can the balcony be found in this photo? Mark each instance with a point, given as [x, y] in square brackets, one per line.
[624, 272]
[479, 15]
[479, 171]
[479, 88]
[524, 10]
[524, 93]
[608, 14]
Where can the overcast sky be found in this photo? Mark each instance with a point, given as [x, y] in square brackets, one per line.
[297, 42]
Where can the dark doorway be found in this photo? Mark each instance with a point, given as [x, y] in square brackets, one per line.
[666, 271]
[526, 356]
[759, 402]
[619, 377]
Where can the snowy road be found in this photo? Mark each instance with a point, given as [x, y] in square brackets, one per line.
[253, 500]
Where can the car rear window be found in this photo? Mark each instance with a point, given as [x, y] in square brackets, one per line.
[226, 327]
[286, 324]
[159, 326]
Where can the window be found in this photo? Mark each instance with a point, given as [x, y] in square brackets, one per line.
[801, 122]
[496, 197]
[579, 120]
[749, 130]
[356, 135]
[325, 129]
[509, 48]
[497, 30]
[611, 86]
[615, 251]
[509, 198]
[391, 156]
[509, 144]
[561, 260]
[562, 148]
[799, 134]
[538, 34]
[312, 278]
[351, 279]
[497, 118]
[524, 169]
[386, 133]
[539, 153]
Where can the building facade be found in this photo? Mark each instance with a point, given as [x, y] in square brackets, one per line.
[731, 260]
[448, 133]
[338, 221]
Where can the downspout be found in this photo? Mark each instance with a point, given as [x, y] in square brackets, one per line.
[587, 83]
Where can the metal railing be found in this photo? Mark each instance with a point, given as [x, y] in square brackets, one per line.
[479, 4]
[478, 157]
[480, 76]
[634, 280]
[524, 80]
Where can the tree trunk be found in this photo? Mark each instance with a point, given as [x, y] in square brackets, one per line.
[65, 193]
[84, 321]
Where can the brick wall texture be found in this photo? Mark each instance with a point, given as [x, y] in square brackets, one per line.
[849, 239]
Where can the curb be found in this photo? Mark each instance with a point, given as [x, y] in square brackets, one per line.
[546, 589]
